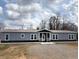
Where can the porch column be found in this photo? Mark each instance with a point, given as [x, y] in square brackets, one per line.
[50, 36]
[42, 36]
[46, 36]
[39, 36]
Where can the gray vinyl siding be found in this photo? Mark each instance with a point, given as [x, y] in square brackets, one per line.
[17, 35]
[64, 36]
[2, 36]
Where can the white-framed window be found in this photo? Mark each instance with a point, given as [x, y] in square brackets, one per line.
[71, 36]
[6, 36]
[33, 36]
[22, 35]
[54, 36]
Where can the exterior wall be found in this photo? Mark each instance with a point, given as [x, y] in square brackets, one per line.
[1, 36]
[64, 36]
[17, 36]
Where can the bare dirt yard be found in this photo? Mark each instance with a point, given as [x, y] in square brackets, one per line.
[39, 51]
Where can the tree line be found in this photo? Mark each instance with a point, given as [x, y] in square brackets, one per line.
[54, 23]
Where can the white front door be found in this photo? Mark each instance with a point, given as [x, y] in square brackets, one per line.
[43, 37]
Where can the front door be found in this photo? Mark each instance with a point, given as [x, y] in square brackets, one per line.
[44, 36]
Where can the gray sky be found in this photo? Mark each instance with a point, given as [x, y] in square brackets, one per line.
[18, 12]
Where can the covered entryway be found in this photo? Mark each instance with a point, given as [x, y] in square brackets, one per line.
[44, 35]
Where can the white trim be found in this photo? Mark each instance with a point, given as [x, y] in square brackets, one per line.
[8, 36]
[43, 37]
[56, 36]
[33, 36]
[39, 36]
[70, 36]
[50, 36]
[23, 35]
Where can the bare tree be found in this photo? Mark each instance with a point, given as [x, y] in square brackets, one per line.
[54, 23]
[69, 26]
[50, 25]
[43, 24]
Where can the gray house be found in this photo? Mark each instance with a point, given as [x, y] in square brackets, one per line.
[36, 35]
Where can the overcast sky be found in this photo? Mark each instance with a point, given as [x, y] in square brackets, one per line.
[16, 12]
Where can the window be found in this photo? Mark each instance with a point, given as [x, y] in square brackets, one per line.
[6, 36]
[22, 35]
[71, 36]
[48, 35]
[33, 36]
[55, 36]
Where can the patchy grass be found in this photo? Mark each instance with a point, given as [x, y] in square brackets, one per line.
[13, 51]
[3, 47]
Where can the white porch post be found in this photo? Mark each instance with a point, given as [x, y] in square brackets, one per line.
[42, 36]
[50, 36]
[46, 36]
[39, 36]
